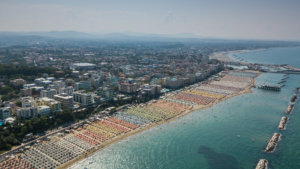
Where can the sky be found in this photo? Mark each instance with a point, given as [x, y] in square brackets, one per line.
[237, 19]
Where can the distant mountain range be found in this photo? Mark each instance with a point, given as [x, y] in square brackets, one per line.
[83, 35]
[113, 36]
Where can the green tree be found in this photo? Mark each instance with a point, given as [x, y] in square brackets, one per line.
[19, 103]
[5, 90]
[5, 97]
[66, 116]
[8, 146]
[28, 125]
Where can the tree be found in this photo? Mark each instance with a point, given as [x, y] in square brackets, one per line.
[19, 103]
[66, 116]
[5, 90]
[24, 130]
[8, 146]
[5, 97]
[28, 125]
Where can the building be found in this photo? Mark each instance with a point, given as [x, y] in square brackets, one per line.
[95, 82]
[68, 90]
[29, 85]
[75, 74]
[163, 81]
[37, 90]
[46, 83]
[83, 66]
[5, 112]
[83, 98]
[69, 82]
[151, 89]
[106, 93]
[198, 76]
[128, 88]
[27, 102]
[83, 85]
[26, 92]
[65, 100]
[27, 112]
[38, 81]
[48, 93]
[51, 78]
[214, 67]
[57, 85]
[43, 110]
[18, 82]
[174, 83]
[55, 106]
[112, 79]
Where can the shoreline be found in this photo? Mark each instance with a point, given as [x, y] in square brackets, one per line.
[116, 139]
[225, 56]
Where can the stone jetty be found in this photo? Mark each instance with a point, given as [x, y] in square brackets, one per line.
[294, 98]
[289, 109]
[262, 164]
[272, 143]
[282, 122]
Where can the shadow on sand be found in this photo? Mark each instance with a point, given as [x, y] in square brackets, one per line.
[218, 160]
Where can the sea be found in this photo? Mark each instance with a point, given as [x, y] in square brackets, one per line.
[229, 135]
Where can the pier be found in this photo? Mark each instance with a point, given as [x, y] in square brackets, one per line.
[270, 87]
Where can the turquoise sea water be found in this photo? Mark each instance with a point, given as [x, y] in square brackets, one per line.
[289, 56]
[209, 138]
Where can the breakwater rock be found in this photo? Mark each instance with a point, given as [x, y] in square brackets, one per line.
[282, 122]
[289, 109]
[294, 98]
[272, 143]
[262, 164]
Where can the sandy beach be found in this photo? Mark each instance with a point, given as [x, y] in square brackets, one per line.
[118, 138]
[224, 56]
[66, 149]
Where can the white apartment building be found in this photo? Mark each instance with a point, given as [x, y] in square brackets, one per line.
[27, 112]
[83, 98]
[83, 85]
[65, 100]
[55, 106]
[5, 112]
[68, 90]
[43, 110]
[48, 93]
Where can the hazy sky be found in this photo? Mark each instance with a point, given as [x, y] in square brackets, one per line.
[255, 19]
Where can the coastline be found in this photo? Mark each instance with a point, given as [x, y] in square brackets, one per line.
[225, 56]
[116, 139]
